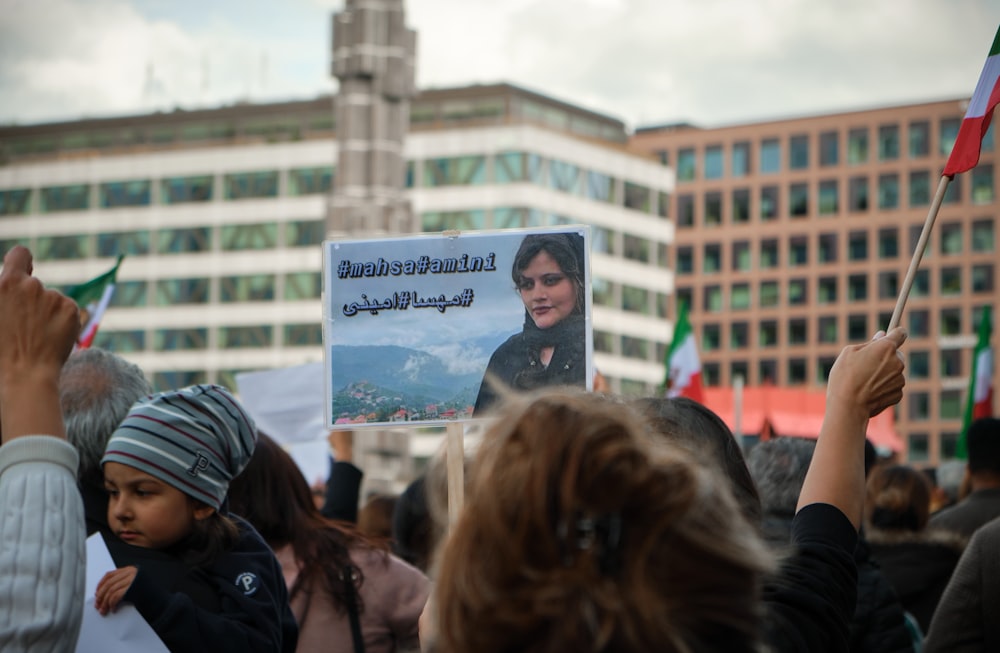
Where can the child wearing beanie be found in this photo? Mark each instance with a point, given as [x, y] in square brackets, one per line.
[167, 469]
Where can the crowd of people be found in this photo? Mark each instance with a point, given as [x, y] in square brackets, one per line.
[590, 522]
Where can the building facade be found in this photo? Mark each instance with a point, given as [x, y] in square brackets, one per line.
[220, 214]
[793, 238]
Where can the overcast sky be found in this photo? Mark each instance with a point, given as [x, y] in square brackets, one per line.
[712, 62]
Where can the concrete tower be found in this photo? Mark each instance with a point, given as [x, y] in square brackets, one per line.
[374, 60]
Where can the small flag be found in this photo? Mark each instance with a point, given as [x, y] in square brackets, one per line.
[979, 402]
[93, 298]
[965, 152]
[683, 377]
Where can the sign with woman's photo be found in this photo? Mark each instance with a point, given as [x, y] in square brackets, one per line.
[433, 328]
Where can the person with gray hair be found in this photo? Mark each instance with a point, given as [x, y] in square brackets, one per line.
[779, 468]
[96, 390]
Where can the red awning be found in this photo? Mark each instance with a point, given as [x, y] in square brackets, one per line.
[792, 412]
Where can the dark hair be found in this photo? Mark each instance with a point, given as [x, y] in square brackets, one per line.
[273, 495]
[706, 436]
[375, 517]
[983, 440]
[899, 498]
[412, 525]
[567, 251]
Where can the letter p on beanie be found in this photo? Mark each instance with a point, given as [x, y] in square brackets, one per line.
[196, 439]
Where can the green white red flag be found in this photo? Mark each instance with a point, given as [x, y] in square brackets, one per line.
[979, 402]
[683, 377]
[965, 152]
[93, 298]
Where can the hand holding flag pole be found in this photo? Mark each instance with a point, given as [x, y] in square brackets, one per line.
[964, 156]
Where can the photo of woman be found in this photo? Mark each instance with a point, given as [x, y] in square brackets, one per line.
[549, 274]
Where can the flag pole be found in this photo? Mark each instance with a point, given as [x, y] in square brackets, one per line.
[918, 253]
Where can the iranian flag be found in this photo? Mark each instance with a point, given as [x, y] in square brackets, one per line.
[965, 152]
[683, 365]
[93, 298]
[979, 402]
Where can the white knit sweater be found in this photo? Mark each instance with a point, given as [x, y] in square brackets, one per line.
[42, 540]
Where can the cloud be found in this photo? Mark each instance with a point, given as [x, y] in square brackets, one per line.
[460, 358]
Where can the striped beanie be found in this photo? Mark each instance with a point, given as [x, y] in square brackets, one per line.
[196, 439]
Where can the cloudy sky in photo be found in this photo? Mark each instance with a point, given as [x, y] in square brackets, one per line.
[711, 62]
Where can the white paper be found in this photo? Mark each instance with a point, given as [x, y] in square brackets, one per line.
[121, 631]
[286, 403]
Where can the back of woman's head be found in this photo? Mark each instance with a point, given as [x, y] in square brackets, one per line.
[899, 498]
[581, 533]
[702, 433]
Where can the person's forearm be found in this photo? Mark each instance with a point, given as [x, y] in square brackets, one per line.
[29, 404]
[836, 475]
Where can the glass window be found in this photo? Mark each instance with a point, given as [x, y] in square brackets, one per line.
[920, 188]
[604, 292]
[662, 204]
[953, 194]
[948, 441]
[603, 341]
[888, 285]
[951, 404]
[798, 200]
[712, 299]
[982, 235]
[741, 205]
[178, 241]
[62, 248]
[768, 334]
[798, 251]
[710, 338]
[919, 323]
[685, 260]
[826, 290]
[130, 243]
[768, 203]
[740, 297]
[798, 152]
[713, 209]
[239, 337]
[171, 292]
[180, 339]
[686, 164]
[739, 335]
[510, 167]
[566, 178]
[796, 371]
[888, 243]
[685, 210]
[919, 366]
[250, 288]
[920, 139]
[825, 364]
[951, 363]
[305, 233]
[857, 145]
[130, 294]
[637, 198]
[121, 342]
[858, 190]
[921, 284]
[712, 258]
[919, 406]
[797, 295]
[125, 193]
[829, 148]
[857, 246]
[798, 331]
[951, 238]
[15, 202]
[601, 187]
[769, 294]
[888, 191]
[635, 348]
[827, 249]
[888, 142]
[857, 328]
[857, 287]
[458, 220]
[828, 329]
[982, 184]
[180, 190]
[302, 285]
[951, 281]
[741, 261]
[767, 371]
[310, 181]
[951, 322]
[769, 253]
[249, 236]
[636, 248]
[828, 197]
[982, 278]
[471, 171]
[635, 299]
[770, 156]
[713, 162]
[947, 135]
[741, 159]
[64, 198]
